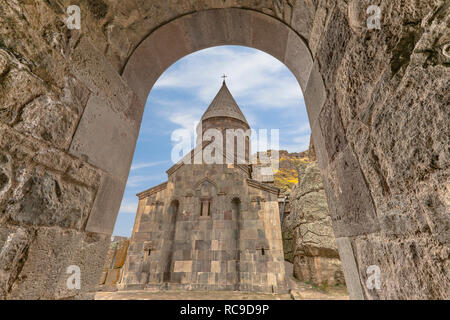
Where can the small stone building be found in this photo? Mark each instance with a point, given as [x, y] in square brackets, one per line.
[210, 226]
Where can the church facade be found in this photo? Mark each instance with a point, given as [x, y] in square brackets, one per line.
[210, 226]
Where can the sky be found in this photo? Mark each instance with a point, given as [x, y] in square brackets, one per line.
[263, 87]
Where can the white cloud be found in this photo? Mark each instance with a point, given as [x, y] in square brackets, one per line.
[186, 120]
[298, 129]
[179, 112]
[143, 180]
[301, 139]
[255, 78]
[296, 143]
[146, 165]
[128, 206]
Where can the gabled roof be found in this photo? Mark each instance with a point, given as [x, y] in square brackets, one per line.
[152, 190]
[224, 105]
[190, 159]
[263, 186]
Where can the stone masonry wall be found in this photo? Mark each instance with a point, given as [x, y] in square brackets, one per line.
[231, 249]
[384, 129]
[375, 100]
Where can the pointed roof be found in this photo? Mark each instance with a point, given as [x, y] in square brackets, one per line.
[224, 105]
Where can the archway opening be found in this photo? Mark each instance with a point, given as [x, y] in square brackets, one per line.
[241, 27]
[266, 90]
[270, 98]
[374, 100]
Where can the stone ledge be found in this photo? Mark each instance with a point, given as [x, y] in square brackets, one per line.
[350, 267]
[315, 93]
[105, 138]
[349, 199]
[298, 59]
[153, 190]
[106, 205]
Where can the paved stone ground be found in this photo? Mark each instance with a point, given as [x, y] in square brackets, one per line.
[298, 291]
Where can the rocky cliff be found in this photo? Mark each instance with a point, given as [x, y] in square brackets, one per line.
[308, 237]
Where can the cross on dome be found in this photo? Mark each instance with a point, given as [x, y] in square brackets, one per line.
[224, 105]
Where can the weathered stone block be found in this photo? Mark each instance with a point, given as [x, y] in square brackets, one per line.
[334, 140]
[106, 205]
[315, 94]
[298, 59]
[350, 267]
[105, 138]
[205, 29]
[61, 248]
[349, 200]
[19, 87]
[408, 268]
[95, 71]
[433, 196]
[14, 243]
[238, 30]
[45, 198]
[269, 36]
[144, 64]
[112, 277]
[49, 120]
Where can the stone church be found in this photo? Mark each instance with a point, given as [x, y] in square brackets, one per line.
[210, 226]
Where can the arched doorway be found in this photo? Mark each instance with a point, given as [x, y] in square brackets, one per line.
[244, 27]
[385, 164]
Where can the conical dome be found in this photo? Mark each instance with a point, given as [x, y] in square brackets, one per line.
[224, 105]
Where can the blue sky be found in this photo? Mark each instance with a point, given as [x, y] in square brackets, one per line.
[264, 88]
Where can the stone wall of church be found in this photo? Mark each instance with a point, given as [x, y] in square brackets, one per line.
[235, 246]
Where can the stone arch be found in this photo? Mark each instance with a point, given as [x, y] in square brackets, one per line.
[210, 28]
[354, 213]
[372, 97]
[203, 182]
[165, 45]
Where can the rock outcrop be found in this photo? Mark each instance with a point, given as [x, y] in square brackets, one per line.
[308, 237]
